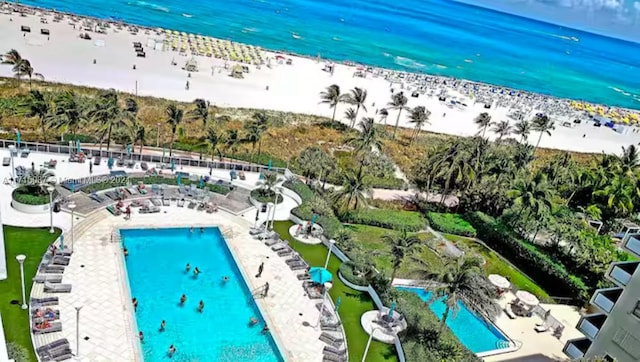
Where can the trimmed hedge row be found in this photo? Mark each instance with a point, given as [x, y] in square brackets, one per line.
[388, 219]
[552, 276]
[22, 195]
[450, 224]
[152, 180]
[313, 204]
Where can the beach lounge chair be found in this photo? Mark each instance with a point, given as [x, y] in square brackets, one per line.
[58, 354]
[331, 358]
[331, 340]
[272, 242]
[507, 310]
[328, 350]
[133, 190]
[51, 269]
[60, 260]
[256, 231]
[192, 190]
[298, 265]
[304, 276]
[280, 246]
[181, 189]
[181, 203]
[53, 345]
[49, 278]
[43, 302]
[6, 161]
[543, 328]
[285, 252]
[113, 210]
[57, 288]
[96, 160]
[112, 195]
[192, 204]
[152, 209]
[120, 162]
[156, 201]
[166, 201]
[53, 327]
[94, 196]
[54, 312]
[155, 189]
[144, 166]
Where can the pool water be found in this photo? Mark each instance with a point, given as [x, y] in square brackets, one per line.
[478, 335]
[156, 271]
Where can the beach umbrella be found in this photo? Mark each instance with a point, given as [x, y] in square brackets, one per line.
[179, 179]
[163, 151]
[527, 298]
[320, 275]
[173, 164]
[18, 138]
[269, 165]
[78, 149]
[338, 301]
[499, 281]
[61, 241]
[393, 308]
[201, 183]
[110, 163]
[314, 217]
[128, 149]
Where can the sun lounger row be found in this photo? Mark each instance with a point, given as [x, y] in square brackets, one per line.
[51, 269]
[43, 302]
[331, 340]
[57, 288]
[313, 290]
[48, 278]
[333, 354]
[59, 350]
[46, 327]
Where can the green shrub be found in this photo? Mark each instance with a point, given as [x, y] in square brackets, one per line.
[261, 159]
[152, 180]
[450, 224]
[300, 188]
[313, 203]
[17, 353]
[265, 196]
[389, 219]
[387, 182]
[552, 276]
[348, 272]
[23, 196]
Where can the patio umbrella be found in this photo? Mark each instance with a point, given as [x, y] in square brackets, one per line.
[201, 183]
[179, 179]
[61, 241]
[129, 150]
[499, 281]
[320, 275]
[173, 165]
[338, 301]
[110, 163]
[269, 165]
[163, 151]
[78, 150]
[314, 217]
[393, 307]
[527, 298]
[18, 138]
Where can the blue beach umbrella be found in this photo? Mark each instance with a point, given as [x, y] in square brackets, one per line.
[61, 241]
[201, 183]
[261, 176]
[393, 308]
[314, 217]
[179, 179]
[269, 165]
[320, 275]
[173, 165]
[129, 150]
[78, 150]
[110, 163]
[163, 151]
[18, 138]
[338, 301]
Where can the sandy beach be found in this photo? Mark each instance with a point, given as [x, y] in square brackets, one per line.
[65, 57]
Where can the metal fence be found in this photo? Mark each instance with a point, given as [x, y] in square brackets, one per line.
[177, 161]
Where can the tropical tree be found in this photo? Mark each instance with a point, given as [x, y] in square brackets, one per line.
[522, 129]
[255, 129]
[314, 163]
[109, 117]
[483, 121]
[138, 135]
[21, 66]
[532, 194]
[384, 113]
[332, 97]
[618, 195]
[502, 129]
[401, 244]
[419, 116]
[367, 140]
[356, 97]
[201, 111]
[354, 192]
[350, 114]
[543, 124]
[231, 141]
[212, 139]
[629, 160]
[69, 113]
[174, 119]
[37, 181]
[37, 105]
[269, 181]
[399, 103]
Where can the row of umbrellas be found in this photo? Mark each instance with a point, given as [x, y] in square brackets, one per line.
[616, 115]
[201, 45]
[524, 296]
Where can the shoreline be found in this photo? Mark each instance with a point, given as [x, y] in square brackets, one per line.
[274, 84]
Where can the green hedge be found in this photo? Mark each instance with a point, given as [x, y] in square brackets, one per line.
[265, 196]
[22, 196]
[451, 224]
[388, 183]
[312, 203]
[346, 270]
[389, 219]
[261, 159]
[152, 180]
[552, 276]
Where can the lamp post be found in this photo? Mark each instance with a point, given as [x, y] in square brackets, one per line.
[277, 191]
[366, 349]
[20, 258]
[331, 243]
[270, 206]
[77, 307]
[158, 135]
[327, 286]
[71, 207]
[51, 189]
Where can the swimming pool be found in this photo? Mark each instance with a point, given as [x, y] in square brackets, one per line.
[478, 335]
[156, 271]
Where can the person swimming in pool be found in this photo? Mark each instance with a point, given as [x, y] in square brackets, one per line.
[201, 306]
[253, 321]
[201, 230]
[196, 271]
[163, 324]
[191, 229]
[183, 299]
[225, 278]
[172, 350]
[134, 301]
[188, 268]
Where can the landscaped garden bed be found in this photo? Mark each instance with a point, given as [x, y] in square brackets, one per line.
[389, 219]
[450, 224]
[265, 196]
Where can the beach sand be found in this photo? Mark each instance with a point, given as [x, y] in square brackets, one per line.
[65, 57]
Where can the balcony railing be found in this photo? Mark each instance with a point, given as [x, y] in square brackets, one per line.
[605, 299]
[632, 244]
[621, 273]
[591, 324]
[576, 348]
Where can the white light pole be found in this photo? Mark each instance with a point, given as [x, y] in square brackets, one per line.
[71, 207]
[275, 203]
[331, 243]
[270, 207]
[77, 307]
[327, 286]
[50, 189]
[366, 349]
[20, 258]
[158, 135]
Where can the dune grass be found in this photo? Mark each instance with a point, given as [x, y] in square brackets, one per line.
[352, 303]
[33, 243]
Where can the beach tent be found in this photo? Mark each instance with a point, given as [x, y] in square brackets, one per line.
[237, 72]
[191, 65]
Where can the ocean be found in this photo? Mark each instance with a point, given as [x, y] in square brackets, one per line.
[430, 36]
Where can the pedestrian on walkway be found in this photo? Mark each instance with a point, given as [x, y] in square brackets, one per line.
[260, 269]
[266, 290]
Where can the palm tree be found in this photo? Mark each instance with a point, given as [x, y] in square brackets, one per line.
[174, 119]
[401, 245]
[532, 194]
[457, 280]
[68, 112]
[419, 116]
[356, 97]
[351, 114]
[629, 160]
[37, 181]
[619, 195]
[269, 181]
[522, 129]
[21, 66]
[332, 97]
[367, 140]
[106, 113]
[502, 128]
[542, 124]
[384, 113]
[256, 128]
[37, 105]
[212, 139]
[399, 102]
[139, 134]
[232, 140]
[483, 121]
[354, 192]
[201, 111]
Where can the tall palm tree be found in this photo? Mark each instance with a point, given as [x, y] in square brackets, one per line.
[201, 111]
[139, 135]
[332, 97]
[457, 280]
[212, 139]
[384, 113]
[542, 124]
[21, 66]
[357, 97]
[174, 119]
[502, 129]
[399, 103]
[483, 121]
[354, 192]
[69, 112]
[367, 140]
[618, 195]
[522, 129]
[109, 117]
[629, 160]
[256, 128]
[350, 114]
[419, 116]
[231, 141]
[532, 194]
[37, 105]
[401, 245]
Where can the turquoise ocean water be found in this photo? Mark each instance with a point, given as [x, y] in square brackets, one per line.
[431, 36]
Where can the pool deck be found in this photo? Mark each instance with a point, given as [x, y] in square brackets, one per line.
[100, 286]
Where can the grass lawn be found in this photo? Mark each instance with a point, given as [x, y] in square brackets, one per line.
[353, 303]
[496, 265]
[33, 243]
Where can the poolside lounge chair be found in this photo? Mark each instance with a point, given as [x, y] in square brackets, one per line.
[156, 201]
[60, 260]
[57, 288]
[181, 189]
[181, 203]
[256, 231]
[331, 340]
[114, 211]
[53, 327]
[65, 252]
[144, 166]
[6, 161]
[294, 258]
[192, 204]
[55, 312]
[298, 265]
[62, 353]
[51, 269]
[304, 276]
[272, 242]
[507, 310]
[280, 246]
[43, 302]
[51, 278]
[313, 292]
[192, 190]
[53, 345]
[332, 358]
[328, 350]
[152, 209]
[542, 328]
[286, 252]
[94, 196]
[133, 190]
